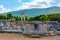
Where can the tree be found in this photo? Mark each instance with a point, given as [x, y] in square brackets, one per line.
[31, 19]
[26, 18]
[37, 18]
[2, 17]
[54, 18]
[44, 18]
[9, 16]
[17, 18]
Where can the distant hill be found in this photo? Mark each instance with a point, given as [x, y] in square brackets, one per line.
[37, 11]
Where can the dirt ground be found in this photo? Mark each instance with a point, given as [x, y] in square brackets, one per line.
[15, 36]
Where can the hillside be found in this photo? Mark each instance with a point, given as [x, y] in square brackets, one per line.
[36, 11]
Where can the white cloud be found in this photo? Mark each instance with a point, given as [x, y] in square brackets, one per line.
[35, 4]
[3, 9]
[22, 7]
[31, 4]
[19, 0]
[58, 5]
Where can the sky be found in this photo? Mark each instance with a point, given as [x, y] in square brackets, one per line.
[14, 5]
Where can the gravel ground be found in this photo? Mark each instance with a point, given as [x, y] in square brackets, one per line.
[15, 36]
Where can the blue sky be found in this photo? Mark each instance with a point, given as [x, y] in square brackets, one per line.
[14, 5]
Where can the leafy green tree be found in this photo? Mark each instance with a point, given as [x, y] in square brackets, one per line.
[26, 18]
[17, 18]
[54, 18]
[31, 19]
[50, 17]
[2, 17]
[44, 18]
[9, 16]
[37, 18]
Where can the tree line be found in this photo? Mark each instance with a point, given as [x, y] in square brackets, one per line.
[49, 17]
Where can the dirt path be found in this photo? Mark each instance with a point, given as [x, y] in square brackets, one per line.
[13, 36]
